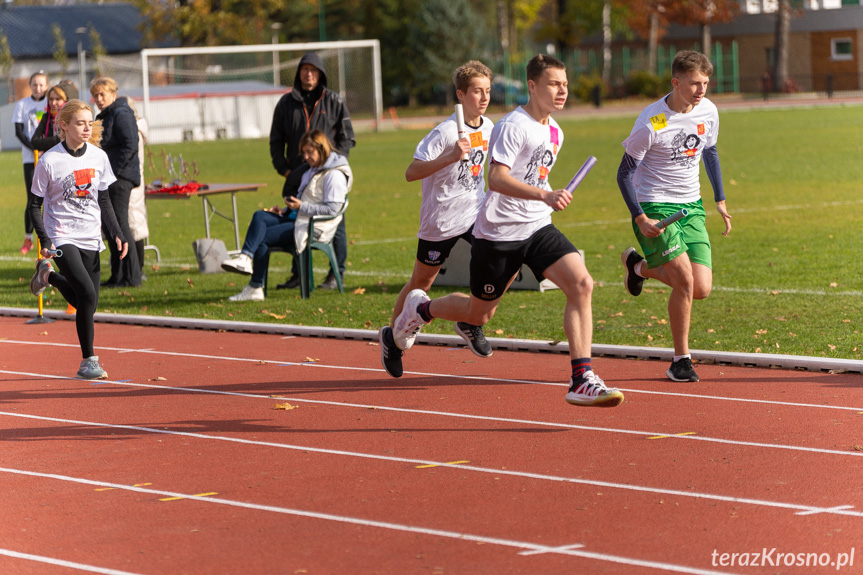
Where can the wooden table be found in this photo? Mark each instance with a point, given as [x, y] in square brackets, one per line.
[209, 209]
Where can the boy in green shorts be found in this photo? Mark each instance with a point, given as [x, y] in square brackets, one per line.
[658, 176]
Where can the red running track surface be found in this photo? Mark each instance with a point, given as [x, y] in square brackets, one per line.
[181, 462]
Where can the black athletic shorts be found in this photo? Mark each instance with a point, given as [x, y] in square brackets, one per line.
[436, 253]
[493, 264]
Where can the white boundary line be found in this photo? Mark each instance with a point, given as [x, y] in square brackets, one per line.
[620, 351]
[424, 374]
[846, 510]
[520, 545]
[458, 415]
[63, 563]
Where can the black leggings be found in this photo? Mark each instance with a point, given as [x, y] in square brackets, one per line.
[28, 181]
[78, 282]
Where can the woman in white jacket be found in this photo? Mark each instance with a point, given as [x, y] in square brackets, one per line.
[323, 191]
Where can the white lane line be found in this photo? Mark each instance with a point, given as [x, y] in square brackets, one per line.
[838, 510]
[520, 545]
[63, 563]
[456, 415]
[421, 373]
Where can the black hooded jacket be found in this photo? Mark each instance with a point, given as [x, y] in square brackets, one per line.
[300, 111]
[120, 140]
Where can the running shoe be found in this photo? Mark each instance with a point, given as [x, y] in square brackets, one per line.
[249, 293]
[590, 390]
[39, 281]
[391, 356]
[682, 370]
[409, 322]
[90, 369]
[240, 263]
[475, 338]
[26, 246]
[632, 281]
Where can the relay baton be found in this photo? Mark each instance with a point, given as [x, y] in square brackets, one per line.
[673, 218]
[579, 175]
[462, 132]
[56, 253]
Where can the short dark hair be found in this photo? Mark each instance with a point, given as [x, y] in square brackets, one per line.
[690, 61]
[540, 63]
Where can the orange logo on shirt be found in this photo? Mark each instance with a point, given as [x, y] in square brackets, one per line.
[84, 177]
[543, 172]
[701, 129]
[476, 139]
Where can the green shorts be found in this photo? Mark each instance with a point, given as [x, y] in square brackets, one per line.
[688, 235]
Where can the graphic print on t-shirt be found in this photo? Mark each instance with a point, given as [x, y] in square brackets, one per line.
[539, 167]
[684, 149]
[77, 187]
[470, 172]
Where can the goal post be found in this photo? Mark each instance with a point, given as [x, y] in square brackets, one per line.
[205, 93]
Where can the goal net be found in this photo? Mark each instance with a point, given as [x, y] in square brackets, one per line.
[229, 92]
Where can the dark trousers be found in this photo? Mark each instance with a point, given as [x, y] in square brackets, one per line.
[266, 230]
[125, 272]
[28, 182]
[78, 283]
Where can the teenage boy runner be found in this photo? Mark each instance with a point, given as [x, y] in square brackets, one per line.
[452, 192]
[514, 228]
[662, 153]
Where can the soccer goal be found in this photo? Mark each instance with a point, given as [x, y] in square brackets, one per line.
[229, 92]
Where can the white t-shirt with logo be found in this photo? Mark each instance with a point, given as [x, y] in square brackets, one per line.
[529, 148]
[28, 112]
[669, 146]
[70, 187]
[452, 195]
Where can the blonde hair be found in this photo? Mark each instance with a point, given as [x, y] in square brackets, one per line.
[67, 112]
[466, 72]
[319, 141]
[103, 83]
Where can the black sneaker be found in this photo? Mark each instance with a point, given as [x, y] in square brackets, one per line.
[682, 370]
[391, 355]
[330, 282]
[292, 283]
[475, 338]
[632, 281]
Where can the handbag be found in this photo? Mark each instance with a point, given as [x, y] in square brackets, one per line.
[210, 253]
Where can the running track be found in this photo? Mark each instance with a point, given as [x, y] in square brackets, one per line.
[180, 463]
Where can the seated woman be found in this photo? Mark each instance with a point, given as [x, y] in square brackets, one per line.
[323, 192]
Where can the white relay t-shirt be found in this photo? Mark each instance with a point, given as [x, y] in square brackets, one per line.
[70, 187]
[529, 149]
[669, 146]
[28, 112]
[452, 195]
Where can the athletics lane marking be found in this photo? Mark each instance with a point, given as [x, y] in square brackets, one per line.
[497, 472]
[460, 536]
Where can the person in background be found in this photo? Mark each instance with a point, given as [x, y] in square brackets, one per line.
[310, 106]
[26, 116]
[120, 143]
[323, 192]
[137, 198]
[46, 135]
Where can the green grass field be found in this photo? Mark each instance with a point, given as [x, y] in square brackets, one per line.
[787, 280]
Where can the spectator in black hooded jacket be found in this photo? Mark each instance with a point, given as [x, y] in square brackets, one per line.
[120, 143]
[310, 106]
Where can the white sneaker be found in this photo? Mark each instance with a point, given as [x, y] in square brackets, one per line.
[249, 293]
[591, 390]
[409, 323]
[240, 263]
[39, 281]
